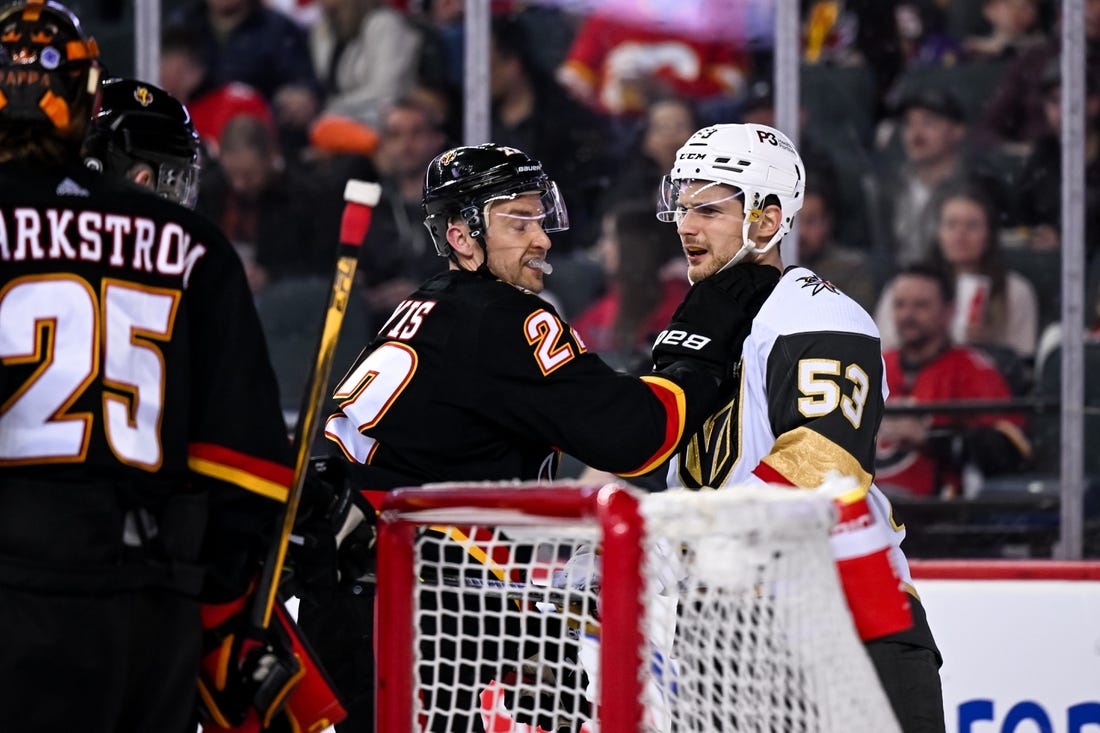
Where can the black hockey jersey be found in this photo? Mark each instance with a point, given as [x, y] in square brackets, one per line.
[475, 379]
[130, 350]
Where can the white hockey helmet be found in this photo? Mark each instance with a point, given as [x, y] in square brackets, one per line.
[758, 160]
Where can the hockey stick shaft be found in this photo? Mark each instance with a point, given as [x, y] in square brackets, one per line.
[577, 604]
[360, 198]
[575, 598]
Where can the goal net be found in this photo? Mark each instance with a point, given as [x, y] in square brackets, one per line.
[524, 608]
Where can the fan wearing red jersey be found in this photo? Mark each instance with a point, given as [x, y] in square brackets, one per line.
[925, 455]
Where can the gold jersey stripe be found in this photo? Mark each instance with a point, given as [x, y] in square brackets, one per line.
[805, 457]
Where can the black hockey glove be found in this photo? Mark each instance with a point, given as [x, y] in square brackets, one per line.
[334, 533]
[711, 323]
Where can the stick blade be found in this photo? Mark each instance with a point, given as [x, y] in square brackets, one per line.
[362, 192]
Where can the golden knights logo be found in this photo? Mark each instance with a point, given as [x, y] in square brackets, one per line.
[815, 282]
[143, 96]
[708, 458]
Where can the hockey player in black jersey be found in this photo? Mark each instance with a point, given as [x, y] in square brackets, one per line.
[808, 395]
[474, 377]
[143, 454]
[140, 132]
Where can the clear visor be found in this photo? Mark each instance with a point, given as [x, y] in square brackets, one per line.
[706, 200]
[179, 183]
[547, 212]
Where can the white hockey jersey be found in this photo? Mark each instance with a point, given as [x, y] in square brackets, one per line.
[809, 400]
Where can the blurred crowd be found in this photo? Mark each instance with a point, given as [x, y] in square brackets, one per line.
[930, 131]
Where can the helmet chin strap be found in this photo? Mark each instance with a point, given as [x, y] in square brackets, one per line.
[748, 246]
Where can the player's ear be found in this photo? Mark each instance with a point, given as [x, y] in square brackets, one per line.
[769, 222]
[458, 236]
[143, 176]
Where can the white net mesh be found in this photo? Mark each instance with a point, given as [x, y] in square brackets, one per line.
[497, 643]
[761, 637]
[745, 625]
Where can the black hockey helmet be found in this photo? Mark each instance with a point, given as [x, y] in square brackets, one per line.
[49, 70]
[137, 122]
[463, 181]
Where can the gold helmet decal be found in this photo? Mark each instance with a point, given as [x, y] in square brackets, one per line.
[143, 96]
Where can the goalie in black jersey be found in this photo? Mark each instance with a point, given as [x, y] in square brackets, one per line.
[474, 377]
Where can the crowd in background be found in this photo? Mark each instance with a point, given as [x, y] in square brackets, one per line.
[930, 131]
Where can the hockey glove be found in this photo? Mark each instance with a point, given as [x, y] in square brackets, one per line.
[334, 533]
[246, 673]
[711, 323]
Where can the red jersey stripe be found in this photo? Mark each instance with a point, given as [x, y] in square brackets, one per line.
[248, 472]
[672, 397]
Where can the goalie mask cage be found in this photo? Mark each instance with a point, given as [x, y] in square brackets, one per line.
[545, 608]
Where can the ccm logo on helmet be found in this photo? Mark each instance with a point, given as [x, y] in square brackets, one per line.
[675, 337]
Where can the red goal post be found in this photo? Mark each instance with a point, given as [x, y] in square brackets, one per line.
[522, 608]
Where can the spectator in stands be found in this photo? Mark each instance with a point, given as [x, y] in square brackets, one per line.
[246, 41]
[933, 137]
[255, 198]
[646, 280]
[365, 54]
[1002, 311]
[819, 251]
[184, 75]
[1015, 118]
[854, 33]
[925, 40]
[618, 65]
[398, 253]
[940, 453]
[531, 113]
[667, 125]
[1039, 200]
[1013, 28]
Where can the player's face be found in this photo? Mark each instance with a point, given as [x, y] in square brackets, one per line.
[963, 233]
[515, 241]
[920, 313]
[709, 221]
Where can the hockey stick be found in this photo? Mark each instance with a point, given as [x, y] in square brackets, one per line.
[577, 600]
[361, 197]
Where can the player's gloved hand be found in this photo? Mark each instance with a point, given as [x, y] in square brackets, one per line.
[246, 674]
[712, 321]
[334, 533]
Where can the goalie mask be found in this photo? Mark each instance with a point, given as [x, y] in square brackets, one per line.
[758, 161]
[49, 72]
[140, 123]
[465, 181]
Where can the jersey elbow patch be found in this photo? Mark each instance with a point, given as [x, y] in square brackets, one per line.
[672, 399]
[803, 457]
[257, 475]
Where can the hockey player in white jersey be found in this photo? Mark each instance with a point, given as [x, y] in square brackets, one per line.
[807, 396]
